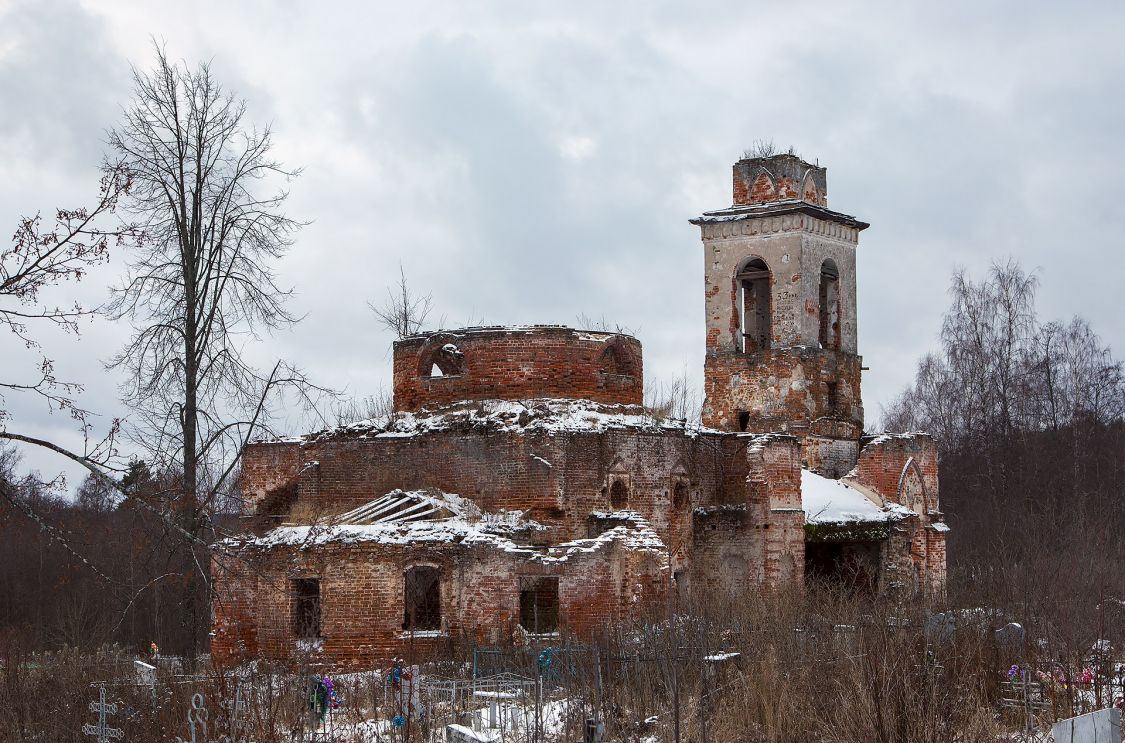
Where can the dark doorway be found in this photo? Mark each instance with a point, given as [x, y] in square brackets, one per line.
[854, 565]
[422, 607]
[539, 604]
[306, 608]
[618, 495]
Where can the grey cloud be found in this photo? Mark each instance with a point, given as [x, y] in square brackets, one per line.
[528, 162]
[60, 79]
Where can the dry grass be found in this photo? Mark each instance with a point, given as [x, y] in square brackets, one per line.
[821, 665]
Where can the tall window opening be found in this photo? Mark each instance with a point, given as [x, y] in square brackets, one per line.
[618, 495]
[829, 305]
[680, 495]
[422, 608]
[539, 604]
[832, 398]
[743, 420]
[754, 321]
[306, 608]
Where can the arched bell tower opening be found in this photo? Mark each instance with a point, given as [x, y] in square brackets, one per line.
[752, 287]
[780, 298]
[829, 310]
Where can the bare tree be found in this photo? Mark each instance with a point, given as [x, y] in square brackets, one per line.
[602, 325]
[678, 399]
[378, 407]
[95, 494]
[38, 258]
[1030, 422]
[404, 312]
[200, 286]
[760, 149]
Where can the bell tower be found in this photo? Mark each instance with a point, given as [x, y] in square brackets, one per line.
[780, 297]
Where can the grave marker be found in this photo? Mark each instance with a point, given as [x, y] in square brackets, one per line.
[102, 729]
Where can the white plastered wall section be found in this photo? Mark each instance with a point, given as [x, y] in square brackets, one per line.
[815, 249]
[782, 254]
[794, 259]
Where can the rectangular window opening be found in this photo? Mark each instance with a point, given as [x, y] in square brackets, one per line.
[539, 604]
[832, 397]
[306, 608]
[743, 420]
[422, 605]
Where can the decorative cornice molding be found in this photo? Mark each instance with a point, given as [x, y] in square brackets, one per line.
[762, 225]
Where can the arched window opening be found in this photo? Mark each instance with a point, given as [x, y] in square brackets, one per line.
[618, 495]
[618, 360]
[445, 361]
[829, 305]
[754, 321]
[422, 600]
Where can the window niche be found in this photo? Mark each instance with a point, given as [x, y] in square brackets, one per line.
[422, 599]
[305, 617]
[680, 495]
[539, 604]
[754, 305]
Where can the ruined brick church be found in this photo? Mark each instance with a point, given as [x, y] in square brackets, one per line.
[521, 489]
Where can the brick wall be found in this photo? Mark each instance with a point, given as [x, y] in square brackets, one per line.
[736, 523]
[556, 478]
[362, 598]
[517, 364]
[269, 469]
[831, 457]
[783, 390]
[903, 468]
[761, 180]
[883, 460]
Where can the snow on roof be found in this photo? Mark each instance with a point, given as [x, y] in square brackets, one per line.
[770, 208]
[828, 501]
[392, 519]
[399, 506]
[533, 415]
[410, 532]
[586, 334]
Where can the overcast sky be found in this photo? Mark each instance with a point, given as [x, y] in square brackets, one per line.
[530, 161]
